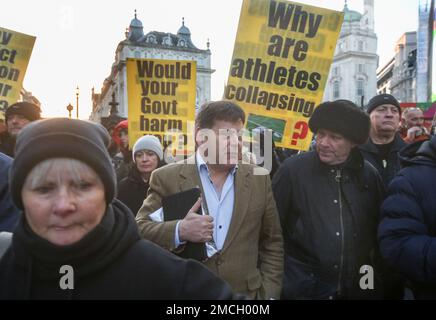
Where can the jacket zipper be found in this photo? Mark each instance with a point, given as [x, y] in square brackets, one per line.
[338, 180]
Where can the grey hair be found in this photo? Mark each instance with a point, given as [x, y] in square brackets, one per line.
[54, 167]
[407, 110]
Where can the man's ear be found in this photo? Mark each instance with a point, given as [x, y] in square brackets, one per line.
[198, 138]
[402, 120]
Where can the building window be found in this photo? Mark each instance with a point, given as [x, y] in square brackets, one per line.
[182, 43]
[360, 89]
[336, 71]
[361, 68]
[166, 41]
[360, 46]
[151, 39]
[336, 91]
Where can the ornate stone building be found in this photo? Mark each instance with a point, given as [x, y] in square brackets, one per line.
[153, 45]
[353, 72]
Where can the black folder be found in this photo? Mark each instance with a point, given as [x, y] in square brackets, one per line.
[175, 207]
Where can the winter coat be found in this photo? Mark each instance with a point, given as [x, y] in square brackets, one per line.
[7, 144]
[132, 190]
[9, 214]
[329, 217]
[110, 262]
[407, 232]
[389, 168]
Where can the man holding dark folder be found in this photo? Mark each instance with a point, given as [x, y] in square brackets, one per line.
[218, 210]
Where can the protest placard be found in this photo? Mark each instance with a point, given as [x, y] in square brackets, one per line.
[15, 51]
[161, 99]
[280, 64]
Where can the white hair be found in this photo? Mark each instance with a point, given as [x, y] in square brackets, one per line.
[407, 110]
[54, 167]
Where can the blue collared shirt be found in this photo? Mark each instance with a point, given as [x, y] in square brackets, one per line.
[220, 206]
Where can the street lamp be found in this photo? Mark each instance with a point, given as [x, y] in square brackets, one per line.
[77, 102]
[69, 108]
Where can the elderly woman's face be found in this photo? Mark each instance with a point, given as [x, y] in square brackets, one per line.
[63, 200]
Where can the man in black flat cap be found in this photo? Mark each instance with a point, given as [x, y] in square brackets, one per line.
[328, 201]
[17, 116]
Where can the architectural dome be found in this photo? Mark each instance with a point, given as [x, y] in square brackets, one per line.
[183, 29]
[135, 29]
[351, 15]
[136, 23]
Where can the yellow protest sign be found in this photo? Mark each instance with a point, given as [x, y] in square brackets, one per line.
[15, 51]
[280, 64]
[161, 98]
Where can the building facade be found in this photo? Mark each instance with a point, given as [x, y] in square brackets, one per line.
[153, 45]
[353, 71]
[424, 51]
[403, 83]
[384, 77]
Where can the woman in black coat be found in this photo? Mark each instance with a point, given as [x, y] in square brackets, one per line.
[74, 241]
[147, 155]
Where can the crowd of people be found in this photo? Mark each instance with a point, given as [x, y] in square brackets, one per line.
[353, 218]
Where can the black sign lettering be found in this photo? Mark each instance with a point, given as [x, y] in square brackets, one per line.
[150, 69]
[5, 37]
[292, 17]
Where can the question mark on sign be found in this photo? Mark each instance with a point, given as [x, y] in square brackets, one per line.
[300, 132]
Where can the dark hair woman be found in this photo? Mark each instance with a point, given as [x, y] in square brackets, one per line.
[147, 156]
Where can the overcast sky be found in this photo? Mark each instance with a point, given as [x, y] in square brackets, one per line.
[76, 39]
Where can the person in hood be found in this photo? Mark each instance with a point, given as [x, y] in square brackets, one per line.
[407, 232]
[123, 158]
[63, 180]
[147, 157]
